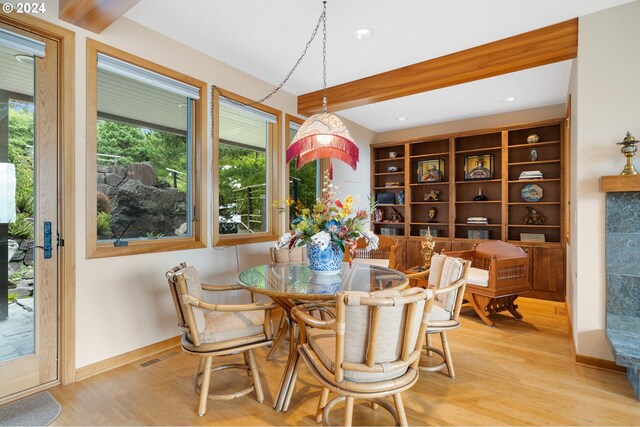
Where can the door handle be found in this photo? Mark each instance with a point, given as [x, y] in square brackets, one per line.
[47, 240]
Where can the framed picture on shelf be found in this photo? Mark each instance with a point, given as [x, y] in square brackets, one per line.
[430, 170]
[384, 198]
[478, 167]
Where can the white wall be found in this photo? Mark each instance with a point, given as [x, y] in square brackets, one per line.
[475, 123]
[123, 303]
[572, 244]
[608, 88]
[355, 183]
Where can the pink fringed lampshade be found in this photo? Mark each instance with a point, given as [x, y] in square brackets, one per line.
[323, 136]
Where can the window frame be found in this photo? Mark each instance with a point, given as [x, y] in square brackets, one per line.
[96, 249]
[275, 161]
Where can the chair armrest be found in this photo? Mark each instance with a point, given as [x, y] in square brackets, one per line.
[207, 287]
[188, 299]
[305, 319]
[455, 285]
[419, 275]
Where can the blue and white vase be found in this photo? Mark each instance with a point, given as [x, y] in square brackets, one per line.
[327, 260]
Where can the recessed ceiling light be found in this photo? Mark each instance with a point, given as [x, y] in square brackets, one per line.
[401, 118]
[363, 33]
[25, 59]
[509, 99]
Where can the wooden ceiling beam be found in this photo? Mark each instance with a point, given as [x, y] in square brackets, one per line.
[543, 46]
[93, 15]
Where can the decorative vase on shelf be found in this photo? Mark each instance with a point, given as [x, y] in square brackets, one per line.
[324, 261]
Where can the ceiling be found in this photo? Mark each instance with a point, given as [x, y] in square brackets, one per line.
[265, 38]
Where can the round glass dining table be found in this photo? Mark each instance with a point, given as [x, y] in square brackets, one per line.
[297, 281]
[288, 284]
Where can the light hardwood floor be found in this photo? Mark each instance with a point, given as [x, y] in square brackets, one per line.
[519, 373]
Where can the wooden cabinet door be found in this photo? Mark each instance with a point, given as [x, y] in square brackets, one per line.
[528, 249]
[548, 273]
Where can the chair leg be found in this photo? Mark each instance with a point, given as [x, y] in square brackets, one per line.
[255, 374]
[402, 416]
[429, 352]
[204, 386]
[324, 397]
[348, 412]
[447, 354]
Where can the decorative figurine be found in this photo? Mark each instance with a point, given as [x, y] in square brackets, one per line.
[433, 196]
[433, 213]
[400, 197]
[534, 217]
[427, 247]
[533, 138]
[480, 197]
[395, 216]
[629, 150]
[379, 215]
[534, 155]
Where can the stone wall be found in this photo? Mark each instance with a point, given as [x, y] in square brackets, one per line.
[623, 281]
[139, 203]
[21, 267]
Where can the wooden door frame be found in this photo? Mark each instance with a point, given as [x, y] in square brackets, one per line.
[65, 40]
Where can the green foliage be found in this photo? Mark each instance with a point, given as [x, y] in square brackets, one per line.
[22, 227]
[153, 235]
[16, 275]
[239, 168]
[20, 138]
[13, 298]
[136, 145]
[104, 225]
[308, 179]
[24, 203]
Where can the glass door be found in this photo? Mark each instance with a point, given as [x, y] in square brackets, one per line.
[28, 211]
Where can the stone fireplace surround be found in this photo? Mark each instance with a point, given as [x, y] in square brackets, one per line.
[623, 274]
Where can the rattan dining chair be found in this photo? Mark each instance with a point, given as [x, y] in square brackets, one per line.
[385, 255]
[369, 351]
[211, 330]
[448, 278]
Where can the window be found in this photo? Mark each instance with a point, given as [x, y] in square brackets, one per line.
[144, 151]
[304, 184]
[247, 164]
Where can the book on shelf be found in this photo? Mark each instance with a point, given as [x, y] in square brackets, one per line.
[477, 220]
[531, 175]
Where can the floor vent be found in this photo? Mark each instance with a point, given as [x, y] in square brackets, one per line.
[150, 362]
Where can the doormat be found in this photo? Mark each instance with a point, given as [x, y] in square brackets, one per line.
[38, 410]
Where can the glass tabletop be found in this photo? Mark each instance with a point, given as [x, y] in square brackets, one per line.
[295, 280]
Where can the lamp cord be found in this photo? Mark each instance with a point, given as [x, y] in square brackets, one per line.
[323, 19]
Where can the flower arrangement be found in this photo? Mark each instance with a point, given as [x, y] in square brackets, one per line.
[330, 220]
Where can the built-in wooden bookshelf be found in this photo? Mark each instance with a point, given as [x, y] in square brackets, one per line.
[504, 154]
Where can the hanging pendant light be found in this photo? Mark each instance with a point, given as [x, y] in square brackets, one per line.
[323, 135]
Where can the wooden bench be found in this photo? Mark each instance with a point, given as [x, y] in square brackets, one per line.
[499, 274]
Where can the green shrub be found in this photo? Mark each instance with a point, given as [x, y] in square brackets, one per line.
[104, 225]
[22, 227]
[24, 203]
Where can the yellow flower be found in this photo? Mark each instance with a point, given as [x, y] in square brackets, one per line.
[348, 200]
